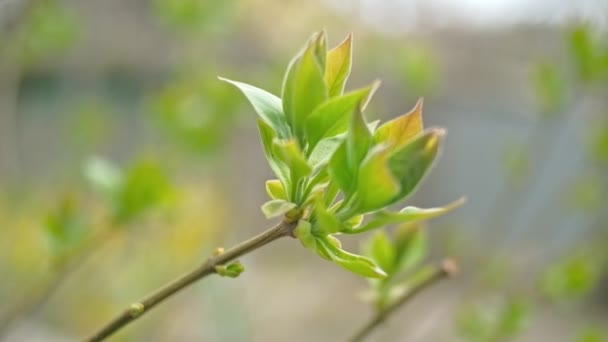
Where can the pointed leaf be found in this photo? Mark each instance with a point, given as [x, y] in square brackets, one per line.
[397, 132]
[332, 116]
[338, 66]
[406, 215]
[355, 263]
[267, 105]
[303, 89]
[358, 140]
[277, 207]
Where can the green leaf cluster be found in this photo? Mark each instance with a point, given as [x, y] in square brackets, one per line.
[333, 167]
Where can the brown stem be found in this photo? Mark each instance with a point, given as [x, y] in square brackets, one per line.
[446, 269]
[136, 310]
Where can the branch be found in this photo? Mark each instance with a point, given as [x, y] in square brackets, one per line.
[136, 310]
[447, 268]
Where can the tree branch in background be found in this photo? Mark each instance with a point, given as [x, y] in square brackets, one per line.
[215, 264]
[447, 268]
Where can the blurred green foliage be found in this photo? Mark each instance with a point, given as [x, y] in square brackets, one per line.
[589, 53]
[419, 69]
[493, 321]
[195, 15]
[592, 334]
[516, 163]
[572, 278]
[48, 30]
[197, 111]
[548, 87]
[130, 193]
[66, 227]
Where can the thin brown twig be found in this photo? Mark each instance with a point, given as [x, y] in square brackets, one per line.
[447, 268]
[137, 309]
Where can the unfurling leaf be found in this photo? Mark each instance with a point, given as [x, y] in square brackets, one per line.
[381, 249]
[303, 88]
[338, 66]
[412, 162]
[332, 116]
[400, 130]
[277, 207]
[326, 222]
[376, 186]
[280, 169]
[297, 165]
[410, 246]
[346, 160]
[275, 190]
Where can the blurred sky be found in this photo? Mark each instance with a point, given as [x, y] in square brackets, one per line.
[404, 15]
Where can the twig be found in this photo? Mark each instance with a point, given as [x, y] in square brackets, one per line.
[136, 310]
[447, 268]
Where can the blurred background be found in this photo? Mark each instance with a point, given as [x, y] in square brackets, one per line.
[124, 162]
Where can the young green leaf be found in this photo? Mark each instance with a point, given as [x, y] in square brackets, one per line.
[267, 105]
[322, 153]
[338, 67]
[399, 131]
[358, 140]
[277, 207]
[376, 186]
[342, 175]
[275, 190]
[303, 89]
[332, 116]
[352, 262]
[326, 222]
[381, 249]
[291, 155]
[410, 246]
[346, 160]
[280, 169]
[303, 232]
[411, 163]
[145, 186]
[406, 215]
